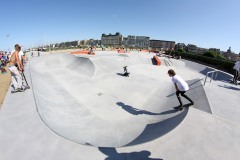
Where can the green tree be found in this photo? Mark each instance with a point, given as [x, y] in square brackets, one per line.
[181, 50]
[213, 54]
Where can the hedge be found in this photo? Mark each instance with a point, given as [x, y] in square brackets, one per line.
[221, 64]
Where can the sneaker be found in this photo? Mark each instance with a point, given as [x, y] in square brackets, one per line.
[180, 107]
[19, 90]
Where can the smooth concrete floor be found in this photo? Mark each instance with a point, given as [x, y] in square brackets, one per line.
[78, 106]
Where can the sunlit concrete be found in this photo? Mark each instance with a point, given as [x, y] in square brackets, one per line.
[78, 105]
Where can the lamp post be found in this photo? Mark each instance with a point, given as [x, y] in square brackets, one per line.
[8, 41]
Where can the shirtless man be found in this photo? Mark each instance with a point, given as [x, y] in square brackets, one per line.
[16, 68]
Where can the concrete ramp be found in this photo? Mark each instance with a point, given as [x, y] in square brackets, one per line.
[108, 110]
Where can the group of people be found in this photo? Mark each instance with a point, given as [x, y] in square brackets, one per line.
[4, 58]
[3, 61]
[16, 68]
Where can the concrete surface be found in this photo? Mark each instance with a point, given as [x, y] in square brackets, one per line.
[78, 106]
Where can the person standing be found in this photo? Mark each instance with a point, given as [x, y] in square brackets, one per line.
[20, 54]
[126, 73]
[236, 71]
[181, 87]
[16, 68]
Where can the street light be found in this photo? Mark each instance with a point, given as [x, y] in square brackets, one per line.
[8, 41]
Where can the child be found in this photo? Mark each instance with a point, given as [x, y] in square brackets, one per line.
[181, 87]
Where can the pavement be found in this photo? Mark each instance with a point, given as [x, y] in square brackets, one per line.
[82, 107]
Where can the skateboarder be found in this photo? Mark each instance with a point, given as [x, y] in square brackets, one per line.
[126, 73]
[16, 68]
[181, 87]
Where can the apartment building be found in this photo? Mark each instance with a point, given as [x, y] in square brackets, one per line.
[162, 44]
[201, 50]
[191, 48]
[130, 41]
[142, 41]
[215, 50]
[115, 40]
[180, 46]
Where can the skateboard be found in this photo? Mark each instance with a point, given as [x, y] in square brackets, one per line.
[21, 90]
[15, 91]
[185, 105]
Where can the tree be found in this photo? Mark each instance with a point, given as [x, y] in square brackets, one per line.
[181, 50]
[213, 54]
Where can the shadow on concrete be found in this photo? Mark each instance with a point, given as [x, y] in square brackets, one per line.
[198, 95]
[156, 130]
[136, 111]
[230, 87]
[193, 82]
[153, 61]
[124, 75]
[120, 74]
[114, 155]
[220, 75]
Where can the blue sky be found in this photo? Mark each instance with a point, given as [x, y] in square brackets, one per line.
[205, 23]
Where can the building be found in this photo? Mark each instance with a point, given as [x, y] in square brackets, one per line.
[215, 50]
[130, 41]
[191, 48]
[230, 56]
[136, 41]
[162, 44]
[89, 42]
[115, 40]
[180, 46]
[201, 50]
[83, 42]
[74, 43]
[142, 41]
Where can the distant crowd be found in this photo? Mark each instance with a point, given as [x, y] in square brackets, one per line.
[4, 59]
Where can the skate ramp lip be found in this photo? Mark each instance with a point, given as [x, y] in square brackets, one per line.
[107, 110]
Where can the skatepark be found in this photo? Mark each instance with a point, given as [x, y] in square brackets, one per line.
[82, 107]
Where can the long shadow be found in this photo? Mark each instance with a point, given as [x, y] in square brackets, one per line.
[156, 130]
[114, 155]
[206, 70]
[230, 87]
[120, 74]
[136, 111]
[220, 75]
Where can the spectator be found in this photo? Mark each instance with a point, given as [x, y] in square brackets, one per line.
[236, 71]
[16, 68]
[20, 54]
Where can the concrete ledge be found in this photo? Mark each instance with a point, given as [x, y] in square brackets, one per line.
[157, 60]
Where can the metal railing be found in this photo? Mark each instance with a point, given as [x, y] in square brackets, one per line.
[168, 62]
[212, 75]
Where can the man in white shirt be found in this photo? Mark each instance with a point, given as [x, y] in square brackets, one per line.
[181, 87]
[236, 71]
